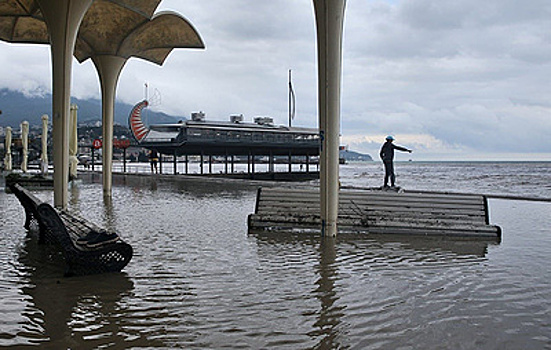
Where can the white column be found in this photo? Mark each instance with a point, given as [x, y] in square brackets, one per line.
[7, 148]
[63, 18]
[329, 21]
[73, 141]
[25, 145]
[44, 154]
[109, 69]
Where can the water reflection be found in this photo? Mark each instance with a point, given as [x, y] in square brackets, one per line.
[378, 246]
[423, 246]
[193, 186]
[74, 193]
[109, 222]
[65, 312]
[152, 183]
[369, 278]
[108, 217]
[330, 314]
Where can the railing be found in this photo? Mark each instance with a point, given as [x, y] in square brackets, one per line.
[193, 134]
[216, 167]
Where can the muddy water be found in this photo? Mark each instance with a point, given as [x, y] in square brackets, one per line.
[198, 281]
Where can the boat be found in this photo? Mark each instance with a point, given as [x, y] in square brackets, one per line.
[197, 136]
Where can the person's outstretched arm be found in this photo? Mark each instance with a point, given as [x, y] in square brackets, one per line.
[403, 149]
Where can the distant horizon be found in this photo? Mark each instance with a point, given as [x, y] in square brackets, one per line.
[455, 161]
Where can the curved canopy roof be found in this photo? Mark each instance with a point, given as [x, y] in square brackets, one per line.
[124, 28]
[21, 22]
[150, 39]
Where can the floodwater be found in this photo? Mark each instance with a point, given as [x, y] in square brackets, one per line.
[199, 281]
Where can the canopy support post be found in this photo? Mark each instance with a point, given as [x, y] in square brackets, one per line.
[329, 23]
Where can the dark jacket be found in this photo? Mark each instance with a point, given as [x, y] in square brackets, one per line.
[387, 151]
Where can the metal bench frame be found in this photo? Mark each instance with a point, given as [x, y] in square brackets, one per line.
[63, 229]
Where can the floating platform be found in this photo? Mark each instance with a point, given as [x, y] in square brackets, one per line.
[375, 212]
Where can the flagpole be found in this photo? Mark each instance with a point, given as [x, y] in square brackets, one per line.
[290, 96]
[291, 99]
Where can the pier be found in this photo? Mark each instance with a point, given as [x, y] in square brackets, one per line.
[230, 142]
[211, 166]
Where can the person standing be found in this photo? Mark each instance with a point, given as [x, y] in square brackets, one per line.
[153, 159]
[387, 155]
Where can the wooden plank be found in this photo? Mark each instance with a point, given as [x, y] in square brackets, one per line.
[297, 197]
[78, 227]
[347, 216]
[281, 204]
[443, 223]
[78, 221]
[370, 222]
[274, 224]
[384, 199]
[490, 232]
[391, 206]
[266, 192]
[291, 207]
[276, 201]
[481, 218]
[471, 234]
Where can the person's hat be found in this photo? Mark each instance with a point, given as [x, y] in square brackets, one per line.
[390, 138]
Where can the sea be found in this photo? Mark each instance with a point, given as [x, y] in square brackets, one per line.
[198, 280]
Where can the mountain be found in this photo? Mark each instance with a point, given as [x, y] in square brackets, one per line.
[17, 107]
[354, 156]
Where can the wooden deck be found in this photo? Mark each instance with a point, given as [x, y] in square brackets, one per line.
[375, 212]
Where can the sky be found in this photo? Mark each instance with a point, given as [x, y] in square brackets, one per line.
[452, 80]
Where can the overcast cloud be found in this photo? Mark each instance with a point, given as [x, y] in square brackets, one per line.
[451, 79]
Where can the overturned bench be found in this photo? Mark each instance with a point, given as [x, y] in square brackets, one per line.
[375, 212]
[86, 248]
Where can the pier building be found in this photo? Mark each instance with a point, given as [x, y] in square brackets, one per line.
[233, 139]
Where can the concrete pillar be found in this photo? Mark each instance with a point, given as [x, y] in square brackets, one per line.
[290, 162]
[73, 142]
[25, 145]
[44, 142]
[63, 18]
[253, 165]
[226, 163]
[7, 148]
[329, 23]
[187, 164]
[124, 160]
[160, 163]
[109, 69]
